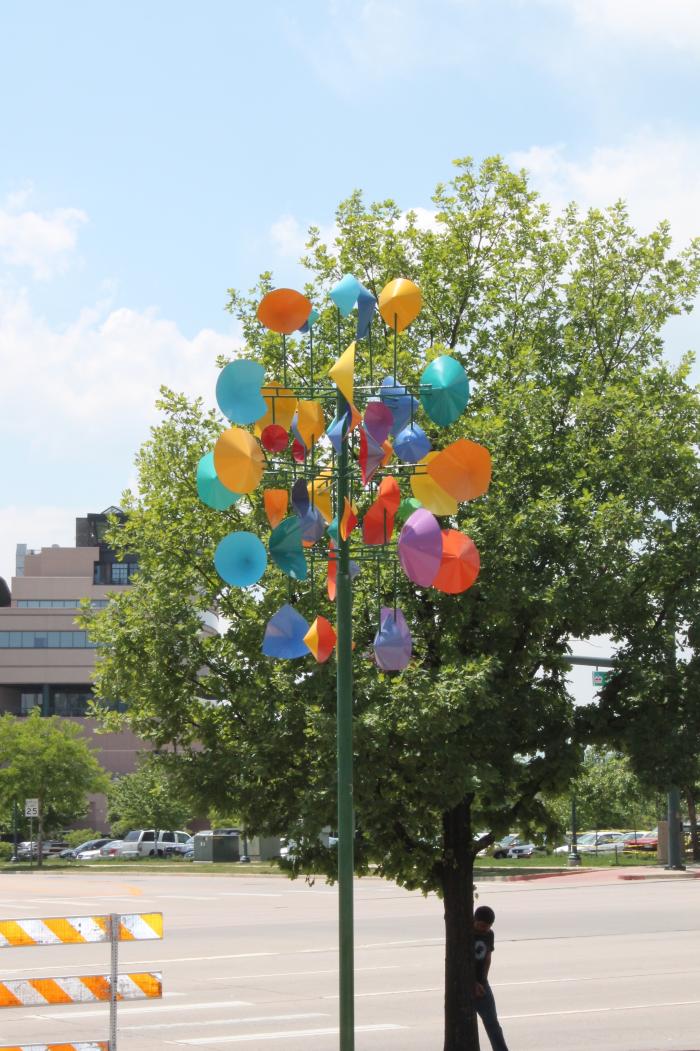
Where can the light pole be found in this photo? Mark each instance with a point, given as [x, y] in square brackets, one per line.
[675, 851]
[574, 856]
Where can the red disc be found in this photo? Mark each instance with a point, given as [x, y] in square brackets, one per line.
[298, 451]
[274, 438]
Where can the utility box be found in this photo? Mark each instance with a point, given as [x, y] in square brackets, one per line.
[203, 847]
[216, 848]
[225, 848]
[662, 846]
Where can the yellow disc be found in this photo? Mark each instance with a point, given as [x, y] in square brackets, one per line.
[310, 422]
[320, 494]
[281, 406]
[432, 496]
[239, 458]
[399, 303]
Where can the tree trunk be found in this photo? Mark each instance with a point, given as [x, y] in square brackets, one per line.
[461, 1032]
[693, 818]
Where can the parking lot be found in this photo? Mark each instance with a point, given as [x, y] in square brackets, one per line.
[582, 961]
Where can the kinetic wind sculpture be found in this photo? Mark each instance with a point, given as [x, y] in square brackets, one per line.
[293, 445]
[338, 487]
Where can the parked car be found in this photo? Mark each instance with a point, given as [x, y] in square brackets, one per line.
[633, 837]
[91, 845]
[582, 840]
[604, 842]
[49, 847]
[648, 842]
[90, 850]
[111, 848]
[182, 842]
[141, 843]
[501, 848]
[524, 850]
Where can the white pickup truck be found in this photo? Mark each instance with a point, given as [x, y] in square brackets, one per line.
[141, 842]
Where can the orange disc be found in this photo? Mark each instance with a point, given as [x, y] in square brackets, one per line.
[462, 469]
[276, 501]
[284, 310]
[460, 563]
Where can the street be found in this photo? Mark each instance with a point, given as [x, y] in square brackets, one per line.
[582, 961]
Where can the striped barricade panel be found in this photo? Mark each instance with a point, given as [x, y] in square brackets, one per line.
[83, 989]
[77, 930]
[91, 1045]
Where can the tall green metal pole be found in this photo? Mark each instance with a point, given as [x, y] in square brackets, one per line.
[346, 829]
[675, 845]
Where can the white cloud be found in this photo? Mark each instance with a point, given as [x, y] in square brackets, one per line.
[663, 24]
[99, 375]
[655, 174]
[289, 236]
[76, 404]
[356, 48]
[425, 219]
[42, 242]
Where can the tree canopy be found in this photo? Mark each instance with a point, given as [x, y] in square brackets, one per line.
[557, 322]
[608, 795]
[148, 798]
[47, 759]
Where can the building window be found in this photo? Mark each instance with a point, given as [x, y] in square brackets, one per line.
[41, 640]
[68, 702]
[28, 701]
[120, 573]
[58, 603]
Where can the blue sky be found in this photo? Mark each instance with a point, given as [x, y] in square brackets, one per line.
[154, 155]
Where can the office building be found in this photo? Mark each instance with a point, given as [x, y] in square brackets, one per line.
[46, 659]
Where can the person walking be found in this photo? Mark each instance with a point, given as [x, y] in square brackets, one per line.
[485, 1004]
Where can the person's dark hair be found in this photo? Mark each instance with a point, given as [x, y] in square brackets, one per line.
[485, 913]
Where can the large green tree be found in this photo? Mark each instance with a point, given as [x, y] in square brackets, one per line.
[651, 705]
[49, 760]
[149, 798]
[608, 795]
[557, 322]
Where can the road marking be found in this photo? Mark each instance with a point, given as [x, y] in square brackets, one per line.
[222, 1021]
[187, 897]
[226, 956]
[294, 974]
[390, 992]
[289, 1035]
[606, 1010]
[125, 1012]
[599, 977]
[247, 894]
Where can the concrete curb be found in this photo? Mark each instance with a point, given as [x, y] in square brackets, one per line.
[651, 873]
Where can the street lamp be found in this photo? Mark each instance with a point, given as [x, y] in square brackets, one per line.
[574, 856]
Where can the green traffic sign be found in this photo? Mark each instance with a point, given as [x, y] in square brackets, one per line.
[600, 678]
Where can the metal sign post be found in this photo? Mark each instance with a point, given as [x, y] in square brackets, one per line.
[113, 973]
[31, 810]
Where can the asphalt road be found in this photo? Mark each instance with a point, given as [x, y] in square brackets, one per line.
[585, 961]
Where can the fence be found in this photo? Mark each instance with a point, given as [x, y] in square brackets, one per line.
[81, 989]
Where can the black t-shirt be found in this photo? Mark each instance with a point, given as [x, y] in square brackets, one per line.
[483, 945]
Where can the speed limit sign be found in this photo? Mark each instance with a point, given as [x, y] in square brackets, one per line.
[31, 808]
